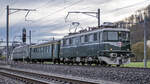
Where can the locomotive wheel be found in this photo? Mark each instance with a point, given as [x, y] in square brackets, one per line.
[71, 63]
[63, 62]
[97, 63]
[109, 65]
[104, 64]
[83, 63]
[89, 63]
[118, 65]
[77, 63]
[58, 62]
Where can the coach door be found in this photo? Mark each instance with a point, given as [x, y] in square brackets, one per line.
[77, 46]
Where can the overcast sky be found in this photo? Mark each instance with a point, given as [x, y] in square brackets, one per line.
[49, 18]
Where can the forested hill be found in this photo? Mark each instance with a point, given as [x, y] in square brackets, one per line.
[137, 32]
[135, 23]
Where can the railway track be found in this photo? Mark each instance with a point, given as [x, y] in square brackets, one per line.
[128, 75]
[102, 75]
[26, 80]
[38, 78]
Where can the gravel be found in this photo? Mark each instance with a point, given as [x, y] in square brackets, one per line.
[6, 80]
[121, 75]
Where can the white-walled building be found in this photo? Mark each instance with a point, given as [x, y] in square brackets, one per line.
[148, 43]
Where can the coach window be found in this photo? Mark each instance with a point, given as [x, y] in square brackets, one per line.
[35, 49]
[82, 39]
[70, 41]
[64, 42]
[95, 36]
[67, 41]
[73, 40]
[44, 49]
[38, 50]
[48, 48]
[86, 39]
[90, 37]
[61, 42]
[41, 49]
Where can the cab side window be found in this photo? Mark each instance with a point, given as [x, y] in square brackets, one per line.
[86, 39]
[95, 36]
[82, 39]
[91, 38]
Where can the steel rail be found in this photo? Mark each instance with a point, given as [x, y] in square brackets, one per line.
[24, 79]
[42, 78]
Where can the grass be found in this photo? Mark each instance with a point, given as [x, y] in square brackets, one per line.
[132, 64]
[137, 64]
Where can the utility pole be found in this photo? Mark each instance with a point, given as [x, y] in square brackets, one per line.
[7, 25]
[145, 42]
[7, 33]
[24, 36]
[30, 42]
[98, 16]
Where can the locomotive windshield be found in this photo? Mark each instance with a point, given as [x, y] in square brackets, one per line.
[116, 36]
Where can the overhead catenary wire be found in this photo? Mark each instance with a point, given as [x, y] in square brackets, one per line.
[47, 4]
[125, 7]
[59, 10]
[43, 5]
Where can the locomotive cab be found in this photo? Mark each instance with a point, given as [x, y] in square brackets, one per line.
[116, 40]
[116, 46]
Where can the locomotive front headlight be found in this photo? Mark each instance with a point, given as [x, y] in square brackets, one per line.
[113, 54]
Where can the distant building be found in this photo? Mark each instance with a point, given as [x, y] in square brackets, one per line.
[148, 43]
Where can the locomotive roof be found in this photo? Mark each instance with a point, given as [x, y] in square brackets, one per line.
[45, 43]
[96, 30]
